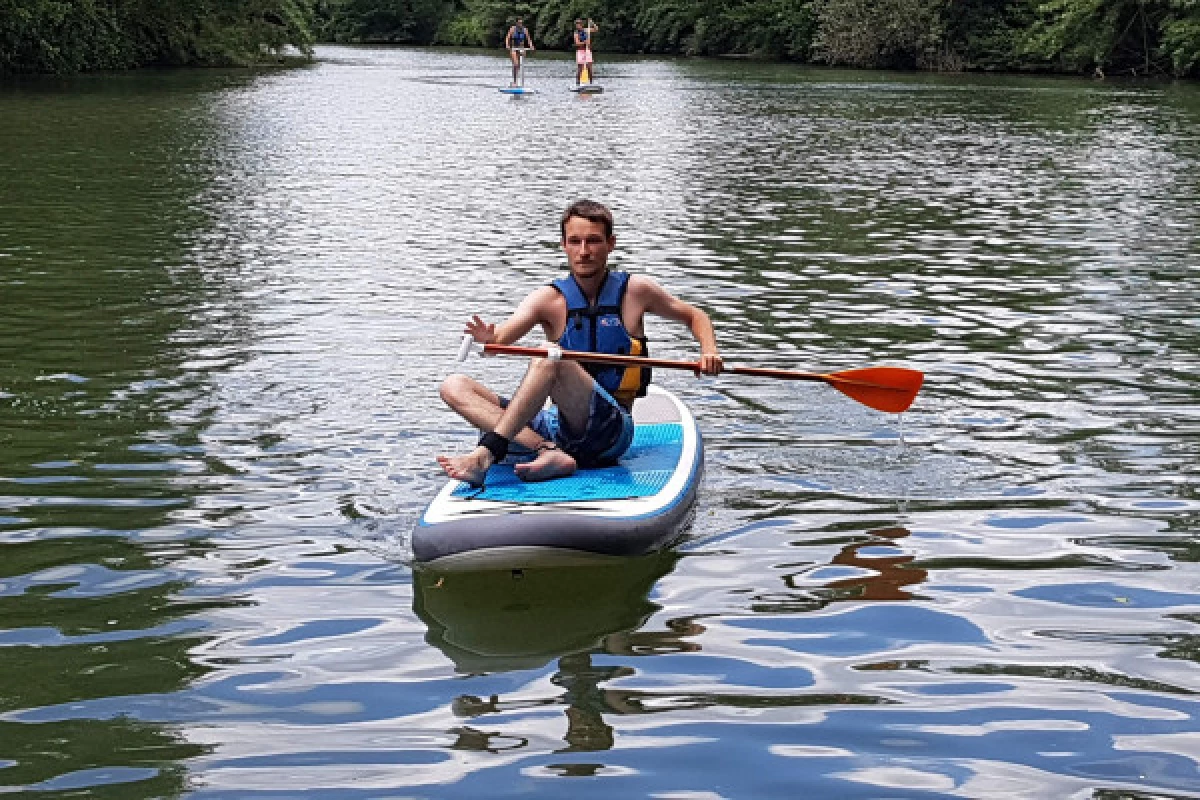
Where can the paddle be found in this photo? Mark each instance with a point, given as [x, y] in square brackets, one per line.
[890, 389]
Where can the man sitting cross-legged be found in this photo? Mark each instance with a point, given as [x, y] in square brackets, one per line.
[594, 309]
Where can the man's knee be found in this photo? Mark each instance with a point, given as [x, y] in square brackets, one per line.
[543, 366]
[455, 389]
[553, 371]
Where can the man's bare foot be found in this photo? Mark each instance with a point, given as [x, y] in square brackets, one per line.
[550, 463]
[471, 468]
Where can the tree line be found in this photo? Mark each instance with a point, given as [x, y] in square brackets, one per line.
[77, 35]
[1101, 37]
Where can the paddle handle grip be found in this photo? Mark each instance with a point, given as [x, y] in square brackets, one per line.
[464, 349]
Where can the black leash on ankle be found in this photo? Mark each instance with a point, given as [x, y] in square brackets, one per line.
[496, 444]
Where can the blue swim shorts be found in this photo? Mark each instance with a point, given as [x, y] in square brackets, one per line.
[607, 436]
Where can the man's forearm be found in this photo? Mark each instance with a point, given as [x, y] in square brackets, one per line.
[702, 331]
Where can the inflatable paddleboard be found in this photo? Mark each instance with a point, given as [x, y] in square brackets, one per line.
[641, 505]
[516, 90]
[587, 88]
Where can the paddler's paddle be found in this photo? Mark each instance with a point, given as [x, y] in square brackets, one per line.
[890, 389]
[586, 75]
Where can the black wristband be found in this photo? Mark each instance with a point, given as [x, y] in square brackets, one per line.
[496, 444]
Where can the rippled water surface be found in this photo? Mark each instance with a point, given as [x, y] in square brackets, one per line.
[227, 300]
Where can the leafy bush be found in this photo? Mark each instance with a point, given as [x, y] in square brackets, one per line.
[889, 33]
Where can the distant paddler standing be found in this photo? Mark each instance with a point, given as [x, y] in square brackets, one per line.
[518, 41]
[583, 51]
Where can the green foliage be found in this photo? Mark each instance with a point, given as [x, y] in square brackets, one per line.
[1083, 34]
[1138, 37]
[465, 30]
[1181, 37]
[555, 23]
[1091, 36]
[768, 28]
[1073, 35]
[880, 33]
[397, 21]
[985, 34]
[50, 36]
[77, 35]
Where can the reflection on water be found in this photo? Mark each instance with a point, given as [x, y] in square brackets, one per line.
[504, 620]
[226, 302]
[494, 621]
[512, 620]
[874, 568]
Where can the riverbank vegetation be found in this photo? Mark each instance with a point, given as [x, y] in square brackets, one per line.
[79, 35]
[1095, 37]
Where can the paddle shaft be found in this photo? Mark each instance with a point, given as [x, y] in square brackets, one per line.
[653, 363]
[890, 389]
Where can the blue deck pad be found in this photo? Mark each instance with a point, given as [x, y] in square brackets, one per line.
[643, 471]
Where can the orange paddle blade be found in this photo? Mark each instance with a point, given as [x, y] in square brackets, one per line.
[890, 389]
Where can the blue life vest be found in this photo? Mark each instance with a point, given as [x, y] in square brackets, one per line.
[600, 329]
[518, 37]
[583, 37]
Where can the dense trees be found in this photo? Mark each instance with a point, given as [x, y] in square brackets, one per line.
[1130, 37]
[73, 35]
[398, 21]
[1109, 37]
[1134, 36]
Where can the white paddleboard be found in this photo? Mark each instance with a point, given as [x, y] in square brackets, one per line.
[641, 505]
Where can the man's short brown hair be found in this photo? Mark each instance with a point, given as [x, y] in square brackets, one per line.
[592, 212]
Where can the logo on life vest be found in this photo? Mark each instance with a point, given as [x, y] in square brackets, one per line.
[609, 321]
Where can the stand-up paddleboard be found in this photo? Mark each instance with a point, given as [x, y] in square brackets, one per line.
[641, 505]
[585, 85]
[517, 90]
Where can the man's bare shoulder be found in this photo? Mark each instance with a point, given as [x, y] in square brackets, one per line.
[543, 303]
[641, 281]
[642, 286]
[544, 295]
[539, 307]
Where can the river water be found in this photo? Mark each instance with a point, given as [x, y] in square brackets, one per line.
[226, 302]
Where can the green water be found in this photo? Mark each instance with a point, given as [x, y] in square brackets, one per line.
[227, 300]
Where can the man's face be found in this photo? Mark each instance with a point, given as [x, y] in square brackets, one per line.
[587, 247]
